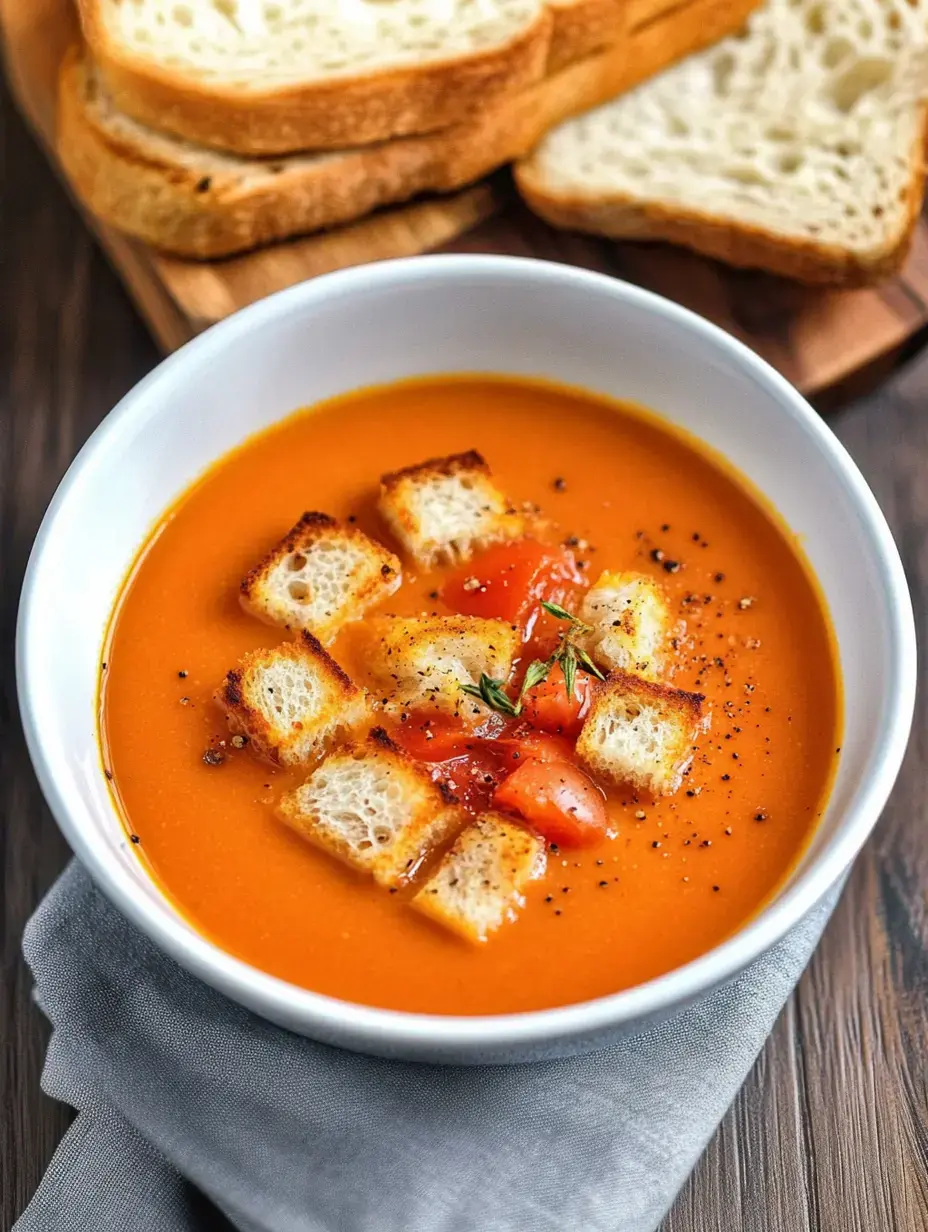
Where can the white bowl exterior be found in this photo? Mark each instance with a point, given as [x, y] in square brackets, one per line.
[440, 315]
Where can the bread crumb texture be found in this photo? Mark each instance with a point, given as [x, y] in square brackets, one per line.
[321, 575]
[249, 44]
[641, 733]
[807, 124]
[445, 509]
[292, 702]
[374, 808]
[480, 882]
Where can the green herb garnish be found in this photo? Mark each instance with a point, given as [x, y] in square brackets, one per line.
[570, 656]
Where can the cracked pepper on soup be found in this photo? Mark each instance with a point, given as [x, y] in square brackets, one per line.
[468, 696]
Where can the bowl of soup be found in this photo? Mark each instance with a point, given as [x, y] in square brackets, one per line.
[465, 659]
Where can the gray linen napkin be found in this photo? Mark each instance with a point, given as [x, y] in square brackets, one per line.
[180, 1093]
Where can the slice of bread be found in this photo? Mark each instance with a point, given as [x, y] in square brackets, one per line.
[292, 703]
[642, 733]
[320, 576]
[795, 147]
[629, 618]
[480, 882]
[257, 77]
[185, 199]
[421, 662]
[374, 808]
[445, 509]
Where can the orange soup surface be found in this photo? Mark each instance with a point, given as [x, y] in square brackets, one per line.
[680, 873]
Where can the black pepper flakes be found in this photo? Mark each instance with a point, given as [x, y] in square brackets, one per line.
[134, 838]
[182, 674]
[760, 816]
[560, 485]
[213, 757]
[657, 555]
[109, 775]
[672, 566]
[204, 184]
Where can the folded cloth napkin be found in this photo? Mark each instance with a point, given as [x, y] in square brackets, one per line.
[187, 1103]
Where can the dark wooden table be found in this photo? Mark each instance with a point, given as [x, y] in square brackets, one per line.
[830, 1133]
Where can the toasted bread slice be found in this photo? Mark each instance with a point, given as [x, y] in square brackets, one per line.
[480, 882]
[642, 733]
[320, 576]
[260, 78]
[183, 198]
[420, 663]
[797, 147]
[292, 702]
[629, 618]
[373, 807]
[444, 510]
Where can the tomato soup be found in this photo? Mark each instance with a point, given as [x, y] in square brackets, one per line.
[675, 874]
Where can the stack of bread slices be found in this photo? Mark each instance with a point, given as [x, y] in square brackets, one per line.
[208, 127]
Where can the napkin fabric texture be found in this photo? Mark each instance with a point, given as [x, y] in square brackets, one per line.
[188, 1105]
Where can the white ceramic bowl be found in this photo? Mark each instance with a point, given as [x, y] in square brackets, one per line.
[433, 315]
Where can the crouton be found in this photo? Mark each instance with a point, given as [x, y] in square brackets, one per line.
[291, 702]
[422, 662]
[373, 807]
[444, 510]
[479, 883]
[629, 618]
[321, 575]
[641, 732]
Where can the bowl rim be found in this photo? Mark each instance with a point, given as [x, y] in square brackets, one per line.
[381, 1030]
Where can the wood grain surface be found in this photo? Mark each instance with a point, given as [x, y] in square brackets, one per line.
[823, 341]
[830, 1133]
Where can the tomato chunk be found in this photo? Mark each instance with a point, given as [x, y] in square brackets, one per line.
[549, 707]
[508, 581]
[524, 743]
[558, 800]
[435, 739]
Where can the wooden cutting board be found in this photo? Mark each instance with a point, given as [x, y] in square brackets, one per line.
[826, 342]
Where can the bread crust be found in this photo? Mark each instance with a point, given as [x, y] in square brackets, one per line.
[324, 114]
[744, 245]
[582, 27]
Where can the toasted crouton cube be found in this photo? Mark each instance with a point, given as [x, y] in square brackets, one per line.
[641, 732]
[629, 618]
[321, 575]
[479, 883]
[374, 808]
[422, 662]
[444, 510]
[291, 702]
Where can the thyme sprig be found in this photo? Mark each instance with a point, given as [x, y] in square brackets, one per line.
[570, 656]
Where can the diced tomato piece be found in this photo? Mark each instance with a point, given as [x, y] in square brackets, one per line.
[435, 739]
[561, 802]
[523, 743]
[549, 707]
[472, 779]
[508, 581]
